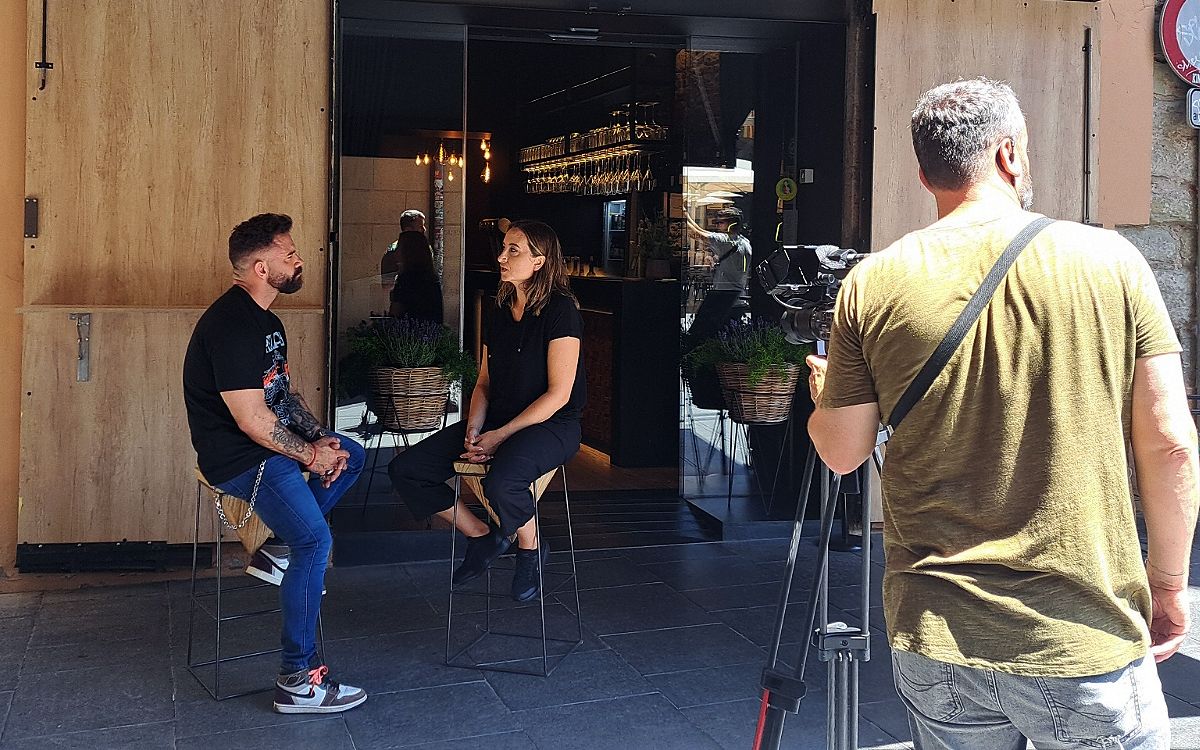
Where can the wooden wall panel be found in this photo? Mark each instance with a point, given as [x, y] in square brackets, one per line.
[1126, 106]
[111, 458]
[1035, 45]
[162, 125]
[12, 189]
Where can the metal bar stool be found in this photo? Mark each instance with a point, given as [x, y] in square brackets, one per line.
[379, 428]
[473, 474]
[199, 601]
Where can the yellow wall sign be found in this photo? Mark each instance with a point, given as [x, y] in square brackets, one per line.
[785, 188]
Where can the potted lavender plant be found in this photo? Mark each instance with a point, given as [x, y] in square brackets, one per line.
[757, 368]
[411, 367]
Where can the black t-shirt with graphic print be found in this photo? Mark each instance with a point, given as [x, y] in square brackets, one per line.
[235, 346]
[517, 366]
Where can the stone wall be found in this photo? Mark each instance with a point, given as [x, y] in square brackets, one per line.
[1169, 240]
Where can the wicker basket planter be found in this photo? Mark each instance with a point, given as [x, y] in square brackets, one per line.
[705, 389]
[409, 398]
[767, 402]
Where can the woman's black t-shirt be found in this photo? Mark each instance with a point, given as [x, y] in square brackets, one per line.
[517, 365]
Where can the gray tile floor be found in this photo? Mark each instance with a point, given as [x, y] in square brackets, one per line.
[674, 644]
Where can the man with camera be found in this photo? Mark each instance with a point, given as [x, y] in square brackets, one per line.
[253, 432]
[729, 251]
[1018, 603]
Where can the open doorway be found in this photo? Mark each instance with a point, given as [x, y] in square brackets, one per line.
[630, 151]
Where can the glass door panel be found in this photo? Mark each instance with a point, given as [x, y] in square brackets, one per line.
[738, 110]
[401, 164]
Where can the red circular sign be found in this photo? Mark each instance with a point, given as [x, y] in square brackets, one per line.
[1179, 33]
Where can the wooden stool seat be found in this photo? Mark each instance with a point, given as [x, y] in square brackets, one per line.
[472, 474]
[254, 532]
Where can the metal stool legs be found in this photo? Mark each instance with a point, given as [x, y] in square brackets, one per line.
[549, 662]
[196, 602]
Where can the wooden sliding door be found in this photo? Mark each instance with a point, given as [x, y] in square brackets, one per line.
[162, 124]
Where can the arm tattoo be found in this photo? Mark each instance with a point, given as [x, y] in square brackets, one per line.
[288, 442]
[303, 420]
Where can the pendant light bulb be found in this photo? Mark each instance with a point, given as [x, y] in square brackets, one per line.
[483, 145]
[427, 160]
[487, 173]
[450, 175]
[418, 160]
[441, 153]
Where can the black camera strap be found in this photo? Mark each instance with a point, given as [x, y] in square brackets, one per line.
[966, 319]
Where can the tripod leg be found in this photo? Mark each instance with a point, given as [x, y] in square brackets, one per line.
[771, 726]
[831, 706]
[852, 704]
[820, 571]
[785, 589]
[823, 592]
[842, 696]
[841, 708]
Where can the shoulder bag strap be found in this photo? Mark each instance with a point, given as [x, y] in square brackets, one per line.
[966, 319]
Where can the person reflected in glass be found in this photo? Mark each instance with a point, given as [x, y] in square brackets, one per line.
[412, 221]
[524, 414]
[730, 252]
[418, 291]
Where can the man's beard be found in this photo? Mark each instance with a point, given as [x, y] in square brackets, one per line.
[287, 284]
[1025, 193]
[1025, 189]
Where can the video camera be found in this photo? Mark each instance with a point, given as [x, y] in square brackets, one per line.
[805, 279]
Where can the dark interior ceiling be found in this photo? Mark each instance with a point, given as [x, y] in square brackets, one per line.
[388, 83]
[402, 60]
[391, 87]
[679, 18]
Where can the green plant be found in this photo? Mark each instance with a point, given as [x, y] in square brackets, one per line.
[409, 342]
[654, 238]
[760, 346]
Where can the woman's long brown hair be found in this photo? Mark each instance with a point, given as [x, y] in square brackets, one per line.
[550, 278]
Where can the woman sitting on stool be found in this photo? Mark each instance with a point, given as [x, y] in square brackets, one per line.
[524, 416]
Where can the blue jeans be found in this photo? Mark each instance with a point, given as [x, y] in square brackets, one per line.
[952, 707]
[295, 511]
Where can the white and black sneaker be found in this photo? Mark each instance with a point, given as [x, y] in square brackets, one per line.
[310, 691]
[268, 566]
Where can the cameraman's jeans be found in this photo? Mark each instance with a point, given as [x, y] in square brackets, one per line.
[295, 511]
[961, 708]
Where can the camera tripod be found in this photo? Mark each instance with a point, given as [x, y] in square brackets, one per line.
[838, 644]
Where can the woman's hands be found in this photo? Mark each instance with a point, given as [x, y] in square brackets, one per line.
[481, 447]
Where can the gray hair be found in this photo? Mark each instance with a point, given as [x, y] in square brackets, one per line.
[409, 219]
[956, 125]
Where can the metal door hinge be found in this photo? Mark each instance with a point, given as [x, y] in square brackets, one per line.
[83, 330]
[31, 218]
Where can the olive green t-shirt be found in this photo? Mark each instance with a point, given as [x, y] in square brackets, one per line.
[1008, 523]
